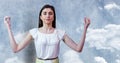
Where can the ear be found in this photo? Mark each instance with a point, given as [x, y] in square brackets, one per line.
[40, 17]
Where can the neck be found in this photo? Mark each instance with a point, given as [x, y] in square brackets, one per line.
[47, 28]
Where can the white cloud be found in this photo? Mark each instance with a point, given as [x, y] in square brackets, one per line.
[20, 36]
[118, 61]
[71, 56]
[105, 38]
[100, 60]
[79, 29]
[111, 6]
[14, 60]
[2, 47]
[100, 8]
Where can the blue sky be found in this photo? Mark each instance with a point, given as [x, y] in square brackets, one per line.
[103, 37]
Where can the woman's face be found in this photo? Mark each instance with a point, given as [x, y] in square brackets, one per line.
[47, 16]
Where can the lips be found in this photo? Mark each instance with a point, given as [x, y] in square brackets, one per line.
[48, 19]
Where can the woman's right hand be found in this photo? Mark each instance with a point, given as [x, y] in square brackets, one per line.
[7, 21]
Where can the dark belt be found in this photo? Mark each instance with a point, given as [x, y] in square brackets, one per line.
[48, 58]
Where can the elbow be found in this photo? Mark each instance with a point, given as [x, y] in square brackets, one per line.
[79, 50]
[15, 50]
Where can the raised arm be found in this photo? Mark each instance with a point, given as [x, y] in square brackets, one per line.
[77, 47]
[16, 47]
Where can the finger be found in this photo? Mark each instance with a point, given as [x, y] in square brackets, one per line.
[6, 18]
[88, 20]
[85, 19]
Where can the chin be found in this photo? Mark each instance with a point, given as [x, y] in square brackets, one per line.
[48, 22]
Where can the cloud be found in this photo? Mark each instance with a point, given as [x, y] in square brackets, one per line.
[2, 47]
[118, 61]
[14, 60]
[100, 60]
[2, 52]
[71, 56]
[105, 38]
[20, 36]
[111, 6]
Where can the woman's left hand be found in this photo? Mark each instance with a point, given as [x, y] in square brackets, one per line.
[86, 22]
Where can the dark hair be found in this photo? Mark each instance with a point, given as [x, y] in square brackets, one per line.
[54, 21]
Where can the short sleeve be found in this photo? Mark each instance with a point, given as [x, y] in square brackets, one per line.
[61, 34]
[33, 32]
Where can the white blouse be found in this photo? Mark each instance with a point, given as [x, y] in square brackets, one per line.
[47, 45]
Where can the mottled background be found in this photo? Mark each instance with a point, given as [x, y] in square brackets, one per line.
[103, 37]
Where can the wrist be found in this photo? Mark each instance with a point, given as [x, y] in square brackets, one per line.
[9, 28]
[85, 27]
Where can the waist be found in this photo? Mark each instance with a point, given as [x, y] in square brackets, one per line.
[48, 58]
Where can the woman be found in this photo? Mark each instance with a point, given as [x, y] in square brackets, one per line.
[46, 37]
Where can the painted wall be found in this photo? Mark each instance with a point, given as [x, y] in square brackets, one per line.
[103, 37]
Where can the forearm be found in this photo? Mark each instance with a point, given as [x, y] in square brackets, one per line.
[82, 41]
[78, 47]
[12, 40]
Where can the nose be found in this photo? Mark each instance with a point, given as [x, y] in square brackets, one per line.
[48, 16]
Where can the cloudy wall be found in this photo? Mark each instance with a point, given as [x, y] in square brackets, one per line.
[103, 38]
